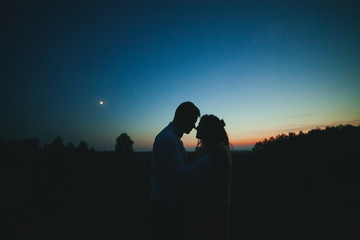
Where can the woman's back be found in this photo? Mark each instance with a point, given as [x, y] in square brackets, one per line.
[208, 202]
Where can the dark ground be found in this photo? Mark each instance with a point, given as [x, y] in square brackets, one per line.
[292, 195]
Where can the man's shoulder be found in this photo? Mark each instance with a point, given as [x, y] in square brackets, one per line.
[165, 136]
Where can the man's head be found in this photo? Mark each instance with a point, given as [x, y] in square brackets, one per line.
[186, 116]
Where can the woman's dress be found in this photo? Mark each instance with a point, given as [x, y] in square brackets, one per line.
[207, 205]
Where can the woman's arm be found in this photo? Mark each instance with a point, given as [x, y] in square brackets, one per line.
[188, 174]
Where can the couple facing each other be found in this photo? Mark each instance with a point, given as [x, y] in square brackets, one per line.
[190, 195]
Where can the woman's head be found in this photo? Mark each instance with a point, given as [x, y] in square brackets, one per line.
[211, 132]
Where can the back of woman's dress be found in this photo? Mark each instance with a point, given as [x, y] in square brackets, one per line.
[207, 209]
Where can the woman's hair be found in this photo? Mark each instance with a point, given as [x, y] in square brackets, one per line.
[211, 132]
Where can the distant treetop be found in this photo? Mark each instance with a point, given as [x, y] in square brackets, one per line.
[124, 144]
[339, 136]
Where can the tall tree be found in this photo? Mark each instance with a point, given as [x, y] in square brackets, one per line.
[124, 144]
[83, 147]
[57, 146]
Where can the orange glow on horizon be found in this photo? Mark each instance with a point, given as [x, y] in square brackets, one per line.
[245, 142]
[235, 143]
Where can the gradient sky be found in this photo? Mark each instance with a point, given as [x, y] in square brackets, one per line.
[265, 67]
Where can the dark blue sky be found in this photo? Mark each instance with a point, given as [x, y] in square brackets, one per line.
[264, 66]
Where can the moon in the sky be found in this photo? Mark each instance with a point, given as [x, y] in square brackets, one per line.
[101, 102]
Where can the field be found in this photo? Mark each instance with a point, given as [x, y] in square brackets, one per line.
[287, 194]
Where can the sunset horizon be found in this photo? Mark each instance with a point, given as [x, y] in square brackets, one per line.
[93, 71]
[236, 144]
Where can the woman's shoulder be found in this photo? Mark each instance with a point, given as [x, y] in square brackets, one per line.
[220, 151]
[222, 148]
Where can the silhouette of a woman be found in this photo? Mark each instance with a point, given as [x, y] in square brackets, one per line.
[208, 199]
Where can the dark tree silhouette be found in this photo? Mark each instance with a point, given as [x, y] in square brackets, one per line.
[124, 144]
[70, 147]
[303, 184]
[83, 147]
[57, 146]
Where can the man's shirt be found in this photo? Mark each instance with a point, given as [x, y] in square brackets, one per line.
[169, 175]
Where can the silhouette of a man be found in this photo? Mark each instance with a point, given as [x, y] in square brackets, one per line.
[169, 157]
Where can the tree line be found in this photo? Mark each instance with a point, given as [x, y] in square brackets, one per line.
[124, 145]
[290, 186]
